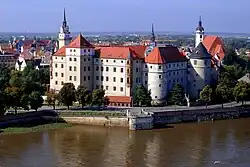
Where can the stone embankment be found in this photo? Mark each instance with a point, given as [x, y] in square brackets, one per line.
[139, 120]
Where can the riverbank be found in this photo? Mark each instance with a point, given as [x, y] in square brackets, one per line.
[38, 128]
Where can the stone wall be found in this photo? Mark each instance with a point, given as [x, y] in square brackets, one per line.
[101, 121]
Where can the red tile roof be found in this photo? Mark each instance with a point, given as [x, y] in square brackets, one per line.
[138, 51]
[162, 55]
[214, 45]
[115, 52]
[80, 42]
[61, 51]
[119, 99]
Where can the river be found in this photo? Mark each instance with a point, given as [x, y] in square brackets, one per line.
[220, 144]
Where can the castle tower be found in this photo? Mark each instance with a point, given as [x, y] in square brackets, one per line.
[199, 34]
[199, 70]
[64, 37]
[152, 43]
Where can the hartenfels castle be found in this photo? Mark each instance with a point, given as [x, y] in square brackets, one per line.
[119, 69]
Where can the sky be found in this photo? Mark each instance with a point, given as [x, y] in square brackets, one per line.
[125, 15]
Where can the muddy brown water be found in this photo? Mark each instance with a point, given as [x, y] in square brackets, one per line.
[219, 144]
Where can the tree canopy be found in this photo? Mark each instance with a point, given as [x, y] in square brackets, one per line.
[141, 96]
[98, 97]
[206, 94]
[67, 94]
[83, 95]
[176, 95]
[241, 92]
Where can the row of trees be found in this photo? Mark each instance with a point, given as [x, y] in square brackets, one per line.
[22, 89]
[68, 94]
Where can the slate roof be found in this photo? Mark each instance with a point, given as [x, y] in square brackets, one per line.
[200, 52]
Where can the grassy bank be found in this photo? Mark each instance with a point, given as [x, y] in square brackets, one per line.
[91, 114]
[38, 128]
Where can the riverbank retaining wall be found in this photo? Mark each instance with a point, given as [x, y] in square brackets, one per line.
[101, 121]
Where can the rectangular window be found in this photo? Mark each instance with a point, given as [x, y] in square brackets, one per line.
[195, 62]
[70, 68]
[114, 79]
[107, 78]
[74, 68]
[114, 88]
[62, 75]
[121, 70]
[62, 83]
[146, 82]
[55, 65]
[97, 78]
[128, 80]
[70, 78]
[159, 67]
[74, 78]
[74, 59]
[107, 68]
[70, 59]
[107, 88]
[61, 65]
[146, 66]
[101, 78]
[121, 80]
[101, 68]
[97, 68]
[114, 69]
[84, 78]
[137, 69]
[84, 68]
[121, 89]
[107, 60]
[97, 86]
[160, 76]
[56, 74]
[56, 82]
[114, 61]
[88, 77]
[88, 68]
[88, 59]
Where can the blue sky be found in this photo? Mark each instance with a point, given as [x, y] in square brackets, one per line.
[125, 15]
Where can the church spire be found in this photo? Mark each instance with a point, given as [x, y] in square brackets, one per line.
[152, 41]
[200, 27]
[64, 18]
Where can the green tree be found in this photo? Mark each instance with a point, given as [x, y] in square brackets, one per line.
[67, 94]
[13, 97]
[25, 101]
[98, 97]
[83, 95]
[241, 92]
[141, 96]
[223, 92]
[51, 99]
[4, 76]
[3, 103]
[206, 94]
[35, 100]
[176, 95]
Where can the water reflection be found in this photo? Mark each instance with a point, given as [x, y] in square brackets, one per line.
[185, 145]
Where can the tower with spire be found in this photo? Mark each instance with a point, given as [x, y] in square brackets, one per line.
[64, 37]
[199, 35]
[152, 41]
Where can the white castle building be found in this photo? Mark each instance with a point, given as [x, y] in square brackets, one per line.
[119, 69]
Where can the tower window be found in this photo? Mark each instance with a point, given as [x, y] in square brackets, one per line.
[201, 36]
[195, 62]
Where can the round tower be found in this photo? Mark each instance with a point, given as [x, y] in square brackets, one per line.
[199, 34]
[156, 78]
[199, 71]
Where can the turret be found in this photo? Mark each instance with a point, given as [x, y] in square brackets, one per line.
[64, 35]
[199, 35]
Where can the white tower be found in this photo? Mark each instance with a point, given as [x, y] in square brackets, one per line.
[199, 34]
[64, 37]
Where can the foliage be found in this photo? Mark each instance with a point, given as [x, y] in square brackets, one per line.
[13, 97]
[141, 96]
[223, 92]
[35, 100]
[98, 97]
[67, 94]
[83, 95]
[51, 98]
[241, 92]
[176, 95]
[206, 94]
